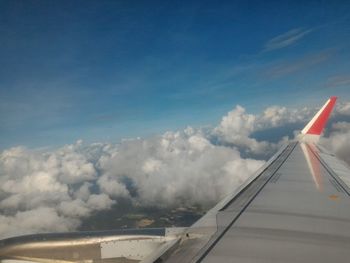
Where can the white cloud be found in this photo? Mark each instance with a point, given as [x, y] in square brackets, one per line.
[343, 108]
[177, 167]
[238, 126]
[70, 183]
[83, 192]
[100, 202]
[74, 208]
[276, 116]
[112, 187]
[338, 141]
[41, 219]
[56, 183]
[151, 166]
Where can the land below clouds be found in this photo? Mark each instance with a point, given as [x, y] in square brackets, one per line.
[124, 214]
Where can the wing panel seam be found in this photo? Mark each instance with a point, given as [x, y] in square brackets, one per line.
[200, 259]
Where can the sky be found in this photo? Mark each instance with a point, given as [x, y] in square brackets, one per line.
[161, 103]
[108, 70]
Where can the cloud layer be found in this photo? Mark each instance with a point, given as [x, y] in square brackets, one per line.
[53, 191]
[43, 190]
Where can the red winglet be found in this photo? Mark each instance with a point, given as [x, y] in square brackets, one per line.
[318, 122]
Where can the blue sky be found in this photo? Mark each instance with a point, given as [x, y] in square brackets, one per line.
[106, 70]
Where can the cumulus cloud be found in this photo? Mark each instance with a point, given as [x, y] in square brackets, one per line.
[52, 186]
[40, 219]
[343, 108]
[179, 167]
[237, 127]
[44, 191]
[338, 141]
[65, 185]
[276, 116]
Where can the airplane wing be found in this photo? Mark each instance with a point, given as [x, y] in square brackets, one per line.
[296, 208]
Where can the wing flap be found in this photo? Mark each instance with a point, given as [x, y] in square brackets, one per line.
[131, 245]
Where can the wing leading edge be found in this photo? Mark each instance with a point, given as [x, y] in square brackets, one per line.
[296, 208]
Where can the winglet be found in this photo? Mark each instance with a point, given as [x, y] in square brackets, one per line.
[318, 122]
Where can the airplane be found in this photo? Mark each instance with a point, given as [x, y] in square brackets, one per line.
[296, 208]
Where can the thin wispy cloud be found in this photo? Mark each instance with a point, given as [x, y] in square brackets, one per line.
[286, 39]
[338, 81]
[288, 67]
